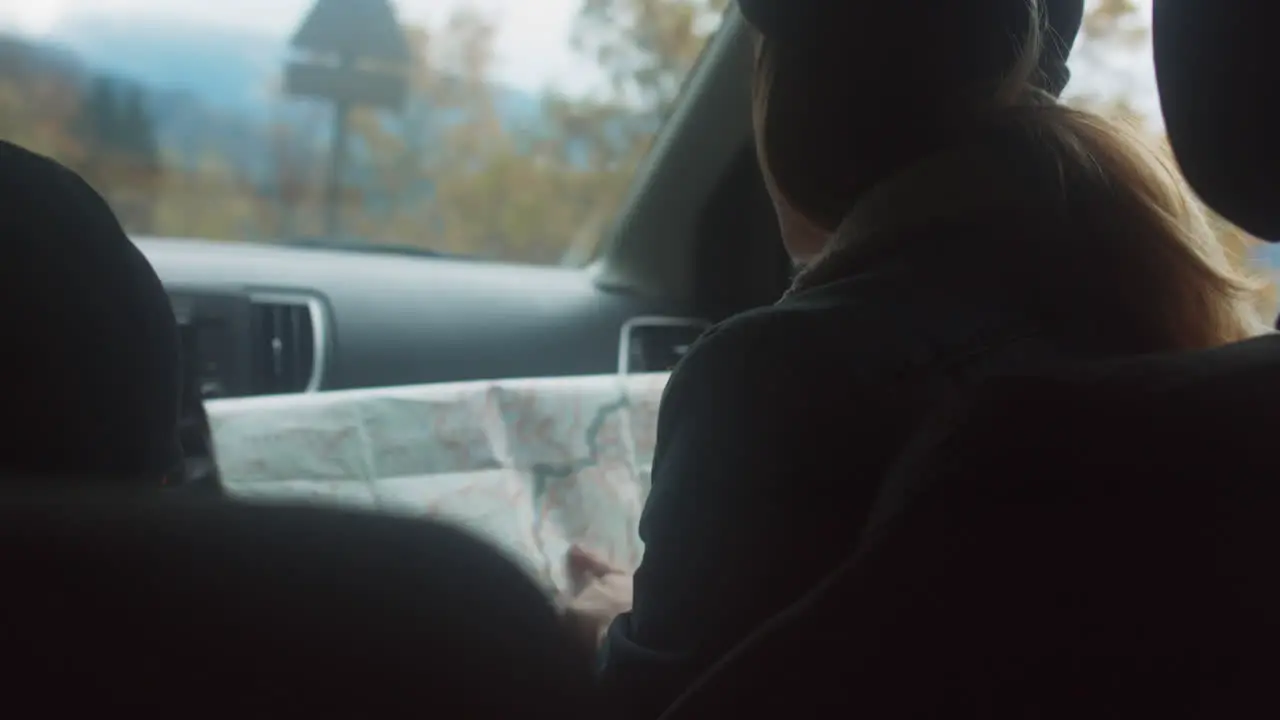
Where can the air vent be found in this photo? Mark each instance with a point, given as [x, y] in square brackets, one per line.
[656, 344]
[287, 334]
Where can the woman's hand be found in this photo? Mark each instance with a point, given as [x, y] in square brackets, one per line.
[604, 592]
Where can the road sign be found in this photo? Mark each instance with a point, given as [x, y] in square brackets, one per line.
[358, 57]
[354, 29]
[349, 85]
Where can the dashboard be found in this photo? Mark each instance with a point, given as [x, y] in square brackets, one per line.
[263, 319]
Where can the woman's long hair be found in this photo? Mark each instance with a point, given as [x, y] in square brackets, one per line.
[1134, 257]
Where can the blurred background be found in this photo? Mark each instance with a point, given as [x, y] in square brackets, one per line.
[504, 130]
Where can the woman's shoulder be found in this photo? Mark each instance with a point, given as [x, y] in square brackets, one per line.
[805, 317]
[848, 315]
[784, 346]
[756, 337]
[855, 331]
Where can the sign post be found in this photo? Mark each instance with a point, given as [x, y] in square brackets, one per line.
[355, 55]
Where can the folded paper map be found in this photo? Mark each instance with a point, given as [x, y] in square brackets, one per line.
[533, 465]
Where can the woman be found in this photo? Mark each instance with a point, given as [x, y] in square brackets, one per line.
[951, 219]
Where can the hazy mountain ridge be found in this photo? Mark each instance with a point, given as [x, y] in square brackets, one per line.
[212, 91]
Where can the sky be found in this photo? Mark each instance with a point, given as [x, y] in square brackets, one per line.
[533, 48]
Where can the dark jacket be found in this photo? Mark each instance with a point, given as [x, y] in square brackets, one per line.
[776, 429]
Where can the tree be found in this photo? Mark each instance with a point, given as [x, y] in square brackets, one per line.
[121, 151]
[137, 129]
[451, 171]
[646, 47]
[399, 147]
[1112, 30]
[556, 189]
[444, 135]
[449, 174]
[292, 195]
[40, 94]
[99, 118]
[1114, 21]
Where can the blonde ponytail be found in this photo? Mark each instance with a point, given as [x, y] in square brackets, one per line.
[1154, 257]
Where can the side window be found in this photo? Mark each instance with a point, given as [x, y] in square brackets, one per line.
[502, 130]
[1112, 74]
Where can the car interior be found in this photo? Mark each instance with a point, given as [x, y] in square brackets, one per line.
[349, 321]
[381, 343]
[522, 401]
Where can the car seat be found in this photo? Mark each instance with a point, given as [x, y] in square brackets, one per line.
[1096, 541]
[91, 362]
[159, 607]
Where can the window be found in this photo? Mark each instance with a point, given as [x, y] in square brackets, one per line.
[1112, 74]
[503, 130]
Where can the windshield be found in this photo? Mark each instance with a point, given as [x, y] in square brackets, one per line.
[493, 129]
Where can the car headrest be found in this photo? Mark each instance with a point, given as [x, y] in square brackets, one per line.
[135, 604]
[1214, 68]
[91, 364]
[968, 27]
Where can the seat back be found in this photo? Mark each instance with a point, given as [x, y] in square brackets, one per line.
[90, 363]
[1215, 65]
[156, 607]
[1054, 546]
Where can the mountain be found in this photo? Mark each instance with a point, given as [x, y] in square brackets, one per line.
[228, 70]
[213, 90]
[231, 71]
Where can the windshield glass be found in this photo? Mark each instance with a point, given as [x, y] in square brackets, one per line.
[493, 129]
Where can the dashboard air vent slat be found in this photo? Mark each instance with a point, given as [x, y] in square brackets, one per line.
[284, 346]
